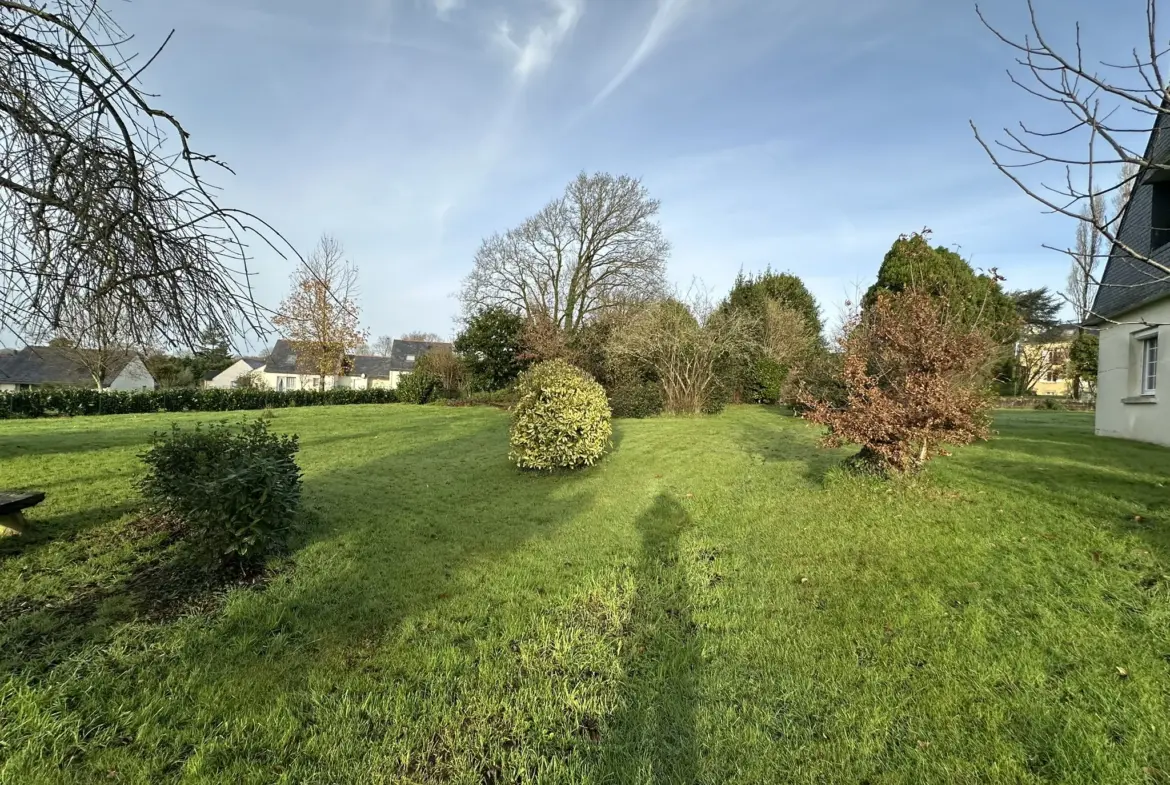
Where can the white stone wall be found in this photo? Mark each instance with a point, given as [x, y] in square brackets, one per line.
[1122, 410]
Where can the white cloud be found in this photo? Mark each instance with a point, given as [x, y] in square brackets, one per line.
[666, 18]
[443, 8]
[543, 39]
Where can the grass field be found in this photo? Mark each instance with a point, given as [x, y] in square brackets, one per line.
[709, 604]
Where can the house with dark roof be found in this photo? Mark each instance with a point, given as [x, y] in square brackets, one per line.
[285, 371]
[1132, 308]
[230, 377]
[39, 366]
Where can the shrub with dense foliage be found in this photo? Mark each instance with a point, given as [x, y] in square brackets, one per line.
[235, 489]
[1082, 360]
[419, 386]
[447, 368]
[973, 299]
[787, 329]
[81, 401]
[915, 379]
[561, 419]
[491, 345]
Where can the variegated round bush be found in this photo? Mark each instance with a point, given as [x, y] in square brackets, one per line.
[561, 420]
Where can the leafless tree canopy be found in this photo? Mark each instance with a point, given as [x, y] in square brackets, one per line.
[594, 247]
[102, 199]
[418, 335]
[1109, 109]
[383, 346]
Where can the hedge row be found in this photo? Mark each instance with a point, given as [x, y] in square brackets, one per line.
[81, 401]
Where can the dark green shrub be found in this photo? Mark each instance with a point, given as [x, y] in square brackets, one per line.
[234, 489]
[418, 387]
[1051, 405]
[561, 420]
[636, 398]
[81, 401]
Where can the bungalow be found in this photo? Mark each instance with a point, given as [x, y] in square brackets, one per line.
[230, 376]
[36, 366]
[1132, 309]
[284, 372]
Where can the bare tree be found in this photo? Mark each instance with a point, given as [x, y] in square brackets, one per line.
[686, 344]
[1083, 273]
[320, 316]
[596, 246]
[95, 336]
[383, 346]
[102, 197]
[1109, 109]
[421, 336]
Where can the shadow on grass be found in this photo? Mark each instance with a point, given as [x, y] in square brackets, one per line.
[168, 578]
[652, 738]
[44, 530]
[43, 441]
[783, 437]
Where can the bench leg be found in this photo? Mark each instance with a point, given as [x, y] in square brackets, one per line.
[14, 524]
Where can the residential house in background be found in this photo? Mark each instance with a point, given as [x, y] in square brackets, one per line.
[1132, 309]
[1044, 360]
[282, 371]
[38, 366]
[230, 376]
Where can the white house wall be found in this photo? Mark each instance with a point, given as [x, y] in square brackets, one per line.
[133, 377]
[227, 377]
[1121, 409]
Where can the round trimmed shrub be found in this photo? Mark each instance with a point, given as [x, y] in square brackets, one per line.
[561, 419]
[418, 387]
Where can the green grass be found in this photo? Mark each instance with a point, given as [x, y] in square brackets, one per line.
[711, 604]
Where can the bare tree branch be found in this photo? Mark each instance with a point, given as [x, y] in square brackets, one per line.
[102, 198]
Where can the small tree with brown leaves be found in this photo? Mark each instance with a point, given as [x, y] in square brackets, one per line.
[320, 316]
[915, 379]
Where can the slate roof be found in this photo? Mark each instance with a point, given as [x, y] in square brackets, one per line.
[1127, 283]
[283, 359]
[50, 365]
[404, 354]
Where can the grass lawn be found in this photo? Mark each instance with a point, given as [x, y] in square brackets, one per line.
[709, 604]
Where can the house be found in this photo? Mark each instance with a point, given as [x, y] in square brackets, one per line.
[36, 366]
[1043, 360]
[1132, 309]
[230, 376]
[283, 372]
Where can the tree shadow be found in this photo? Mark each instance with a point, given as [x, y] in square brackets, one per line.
[652, 737]
[44, 530]
[169, 577]
[43, 441]
[785, 438]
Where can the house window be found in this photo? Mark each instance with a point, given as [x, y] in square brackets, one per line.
[410, 358]
[1149, 365]
[1159, 215]
[286, 383]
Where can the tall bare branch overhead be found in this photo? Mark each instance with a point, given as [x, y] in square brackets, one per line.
[1104, 116]
[102, 197]
[596, 246]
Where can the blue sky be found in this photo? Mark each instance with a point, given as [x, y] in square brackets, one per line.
[801, 135]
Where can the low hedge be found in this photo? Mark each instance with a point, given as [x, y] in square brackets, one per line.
[82, 401]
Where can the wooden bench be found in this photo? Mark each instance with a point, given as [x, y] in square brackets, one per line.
[12, 507]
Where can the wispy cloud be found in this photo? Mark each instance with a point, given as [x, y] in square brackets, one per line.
[443, 8]
[666, 18]
[543, 39]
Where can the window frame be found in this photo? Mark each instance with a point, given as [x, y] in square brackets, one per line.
[1149, 345]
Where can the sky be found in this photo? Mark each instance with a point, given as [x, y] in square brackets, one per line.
[802, 136]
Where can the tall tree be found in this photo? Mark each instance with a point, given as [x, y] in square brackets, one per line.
[1109, 106]
[1038, 309]
[212, 352]
[102, 197]
[491, 344]
[912, 263]
[753, 291]
[320, 316]
[591, 249]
